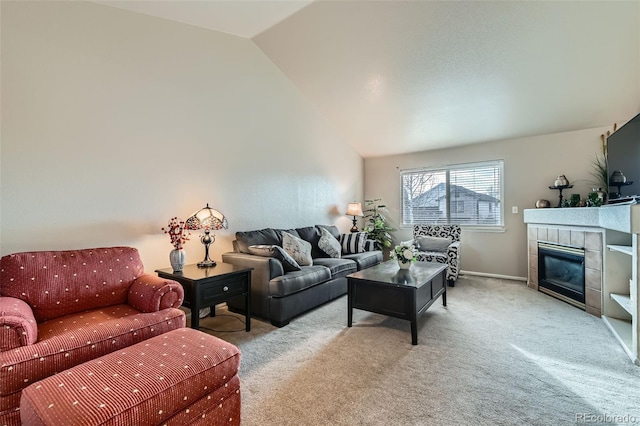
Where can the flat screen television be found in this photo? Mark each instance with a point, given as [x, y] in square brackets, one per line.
[623, 156]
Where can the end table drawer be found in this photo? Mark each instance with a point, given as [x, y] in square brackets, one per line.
[224, 289]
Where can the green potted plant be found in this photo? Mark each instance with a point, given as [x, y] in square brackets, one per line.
[376, 226]
[601, 177]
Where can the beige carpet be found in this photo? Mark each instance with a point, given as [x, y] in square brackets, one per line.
[498, 354]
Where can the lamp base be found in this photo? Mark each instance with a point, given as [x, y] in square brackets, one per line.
[354, 228]
[207, 239]
[207, 264]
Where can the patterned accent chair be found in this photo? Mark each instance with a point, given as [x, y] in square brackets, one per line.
[451, 256]
[59, 309]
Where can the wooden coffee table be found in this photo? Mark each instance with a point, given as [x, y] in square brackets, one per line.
[401, 293]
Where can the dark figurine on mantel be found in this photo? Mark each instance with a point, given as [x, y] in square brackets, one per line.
[618, 180]
[560, 184]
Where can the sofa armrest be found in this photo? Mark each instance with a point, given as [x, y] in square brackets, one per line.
[150, 293]
[270, 267]
[264, 270]
[18, 326]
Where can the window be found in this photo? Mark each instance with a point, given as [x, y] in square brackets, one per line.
[466, 194]
[457, 206]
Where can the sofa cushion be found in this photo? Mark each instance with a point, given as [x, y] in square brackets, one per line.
[450, 231]
[264, 250]
[329, 244]
[338, 267]
[333, 230]
[366, 259]
[267, 236]
[288, 263]
[311, 234]
[428, 243]
[297, 248]
[354, 242]
[71, 340]
[59, 283]
[293, 282]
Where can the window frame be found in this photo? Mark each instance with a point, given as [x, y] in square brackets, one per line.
[499, 163]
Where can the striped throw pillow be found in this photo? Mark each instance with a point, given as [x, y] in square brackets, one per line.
[353, 243]
[370, 245]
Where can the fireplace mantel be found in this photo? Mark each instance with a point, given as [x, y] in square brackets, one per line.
[624, 218]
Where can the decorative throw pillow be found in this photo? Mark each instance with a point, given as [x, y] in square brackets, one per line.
[329, 244]
[297, 248]
[370, 245]
[427, 243]
[353, 243]
[277, 252]
[288, 263]
[264, 250]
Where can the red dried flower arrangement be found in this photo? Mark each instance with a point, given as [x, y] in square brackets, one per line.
[177, 232]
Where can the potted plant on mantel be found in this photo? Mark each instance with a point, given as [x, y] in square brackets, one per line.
[601, 177]
[376, 226]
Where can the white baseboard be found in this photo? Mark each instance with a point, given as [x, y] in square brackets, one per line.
[504, 277]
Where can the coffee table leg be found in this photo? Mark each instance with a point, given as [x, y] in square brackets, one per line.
[413, 315]
[444, 293]
[414, 331]
[349, 303]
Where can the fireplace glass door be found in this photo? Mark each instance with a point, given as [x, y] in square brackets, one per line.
[561, 270]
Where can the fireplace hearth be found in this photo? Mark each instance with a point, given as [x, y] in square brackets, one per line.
[561, 272]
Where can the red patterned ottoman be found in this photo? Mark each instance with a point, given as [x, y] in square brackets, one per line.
[180, 377]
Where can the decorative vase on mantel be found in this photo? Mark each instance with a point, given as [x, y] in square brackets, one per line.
[177, 258]
[404, 265]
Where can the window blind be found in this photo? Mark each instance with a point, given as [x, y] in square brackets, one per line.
[465, 194]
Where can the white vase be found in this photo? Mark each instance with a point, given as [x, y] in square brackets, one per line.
[404, 265]
[177, 259]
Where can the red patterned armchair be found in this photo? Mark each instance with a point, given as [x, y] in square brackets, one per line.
[59, 309]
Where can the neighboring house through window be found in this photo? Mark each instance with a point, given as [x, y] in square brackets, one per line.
[466, 194]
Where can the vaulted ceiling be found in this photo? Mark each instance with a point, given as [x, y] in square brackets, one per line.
[404, 76]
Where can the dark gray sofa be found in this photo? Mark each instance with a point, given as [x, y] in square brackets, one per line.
[278, 296]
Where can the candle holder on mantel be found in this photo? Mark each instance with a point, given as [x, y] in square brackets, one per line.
[619, 185]
[560, 188]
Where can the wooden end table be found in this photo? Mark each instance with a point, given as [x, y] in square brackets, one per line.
[206, 287]
[401, 293]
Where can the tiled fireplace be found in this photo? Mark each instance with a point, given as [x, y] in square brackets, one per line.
[610, 237]
[577, 239]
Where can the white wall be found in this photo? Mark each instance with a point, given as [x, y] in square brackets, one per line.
[113, 122]
[530, 166]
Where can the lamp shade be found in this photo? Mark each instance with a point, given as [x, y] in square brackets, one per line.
[354, 209]
[206, 218]
[210, 220]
